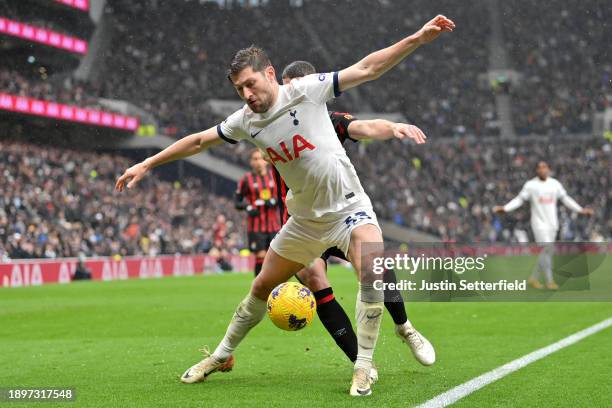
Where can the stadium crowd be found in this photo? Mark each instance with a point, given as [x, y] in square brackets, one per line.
[170, 61]
[453, 106]
[60, 203]
[69, 91]
[174, 69]
[566, 62]
[448, 187]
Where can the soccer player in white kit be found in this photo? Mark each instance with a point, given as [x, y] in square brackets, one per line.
[542, 193]
[327, 203]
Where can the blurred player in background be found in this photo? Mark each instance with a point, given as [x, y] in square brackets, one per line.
[542, 192]
[331, 313]
[256, 194]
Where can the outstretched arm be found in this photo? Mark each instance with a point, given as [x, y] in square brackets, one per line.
[515, 203]
[570, 203]
[185, 147]
[379, 62]
[381, 129]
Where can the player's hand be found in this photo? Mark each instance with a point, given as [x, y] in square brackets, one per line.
[403, 131]
[434, 28]
[252, 211]
[131, 176]
[270, 203]
[586, 211]
[498, 209]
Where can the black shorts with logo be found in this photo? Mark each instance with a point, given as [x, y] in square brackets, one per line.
[260, 241]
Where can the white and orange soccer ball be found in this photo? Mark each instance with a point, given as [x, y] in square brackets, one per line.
[291, 306]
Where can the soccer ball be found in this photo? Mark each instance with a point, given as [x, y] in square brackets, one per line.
[291, 306]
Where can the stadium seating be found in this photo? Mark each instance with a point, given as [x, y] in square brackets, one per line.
[171, 60]
[565, 63]
[59, 203]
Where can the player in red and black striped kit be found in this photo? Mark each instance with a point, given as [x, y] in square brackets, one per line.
[331, 313]
[257, 194]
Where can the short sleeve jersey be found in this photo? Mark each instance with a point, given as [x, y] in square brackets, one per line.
[298, 137]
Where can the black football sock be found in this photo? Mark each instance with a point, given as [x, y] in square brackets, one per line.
[393, 300]
[258, 265]
[336, 322]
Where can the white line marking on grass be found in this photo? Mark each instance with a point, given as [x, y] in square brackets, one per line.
[455, 394]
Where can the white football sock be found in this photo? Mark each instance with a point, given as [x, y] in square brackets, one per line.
[249, 312]
[369, 317]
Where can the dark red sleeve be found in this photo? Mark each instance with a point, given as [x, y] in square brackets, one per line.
[341, 122]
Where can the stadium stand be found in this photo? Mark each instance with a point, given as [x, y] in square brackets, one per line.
[448, 187]
[60, 203]
[171, 61]
[566, 63]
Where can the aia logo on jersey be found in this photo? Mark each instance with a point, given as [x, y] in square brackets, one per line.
[546, 199]
[299, 144]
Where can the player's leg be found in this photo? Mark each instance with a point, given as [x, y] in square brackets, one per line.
[289, 252]
[547, 262]
[258, 244]
[259, 258]
[249, 313]
[332, 315]
[540, 237]
[370, 302]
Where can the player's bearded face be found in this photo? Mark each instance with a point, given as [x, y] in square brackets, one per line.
[256, 88]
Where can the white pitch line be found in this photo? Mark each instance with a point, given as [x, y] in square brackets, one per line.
[455, 394]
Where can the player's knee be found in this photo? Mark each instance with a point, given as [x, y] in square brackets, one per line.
[261, 288]
[304, 277]
[318, 276]
[366, 233]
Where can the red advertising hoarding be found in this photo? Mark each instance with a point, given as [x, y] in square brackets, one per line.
[42, 36]
[68, 113]
[22, 273]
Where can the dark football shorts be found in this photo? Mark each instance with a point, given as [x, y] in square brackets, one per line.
[333, 251]
[260, 241]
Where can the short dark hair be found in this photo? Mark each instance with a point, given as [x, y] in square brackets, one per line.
[253, 151]
[253, 57]
[298, 69]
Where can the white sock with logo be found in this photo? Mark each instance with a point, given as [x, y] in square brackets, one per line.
[248, 314]
[368, 316]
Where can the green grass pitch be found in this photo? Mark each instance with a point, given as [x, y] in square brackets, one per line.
[124, 344]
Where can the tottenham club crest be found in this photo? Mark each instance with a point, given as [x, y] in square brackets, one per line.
[295, 119]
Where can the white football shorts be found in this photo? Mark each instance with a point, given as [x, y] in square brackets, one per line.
[544, 235]
[303, 240]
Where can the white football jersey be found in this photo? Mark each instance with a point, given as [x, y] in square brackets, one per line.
[542, 197]
[298, 137]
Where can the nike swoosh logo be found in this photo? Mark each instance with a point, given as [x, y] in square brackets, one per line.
[255, 134]
[186, 375]
[363, 392]
[373, 316]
